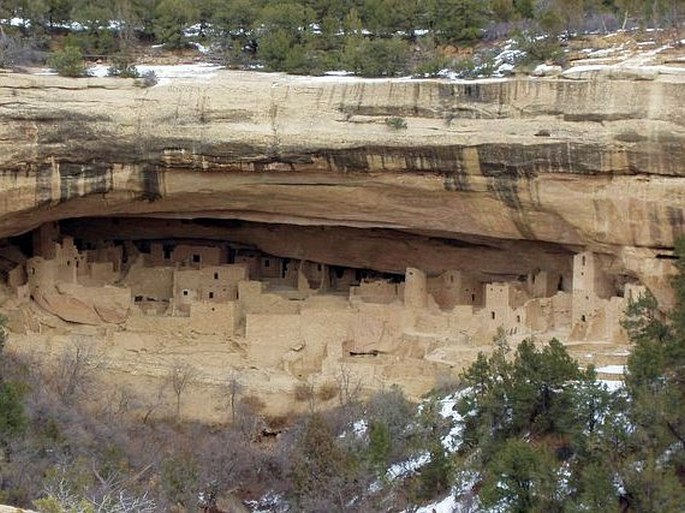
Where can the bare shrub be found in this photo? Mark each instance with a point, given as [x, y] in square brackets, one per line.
[75, 370]
[180, 376]
[350, 386]
[229, 393]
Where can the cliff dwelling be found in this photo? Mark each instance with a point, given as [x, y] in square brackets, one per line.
[304, 301]
[278, 227]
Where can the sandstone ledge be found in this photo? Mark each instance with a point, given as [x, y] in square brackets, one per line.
[533, 166]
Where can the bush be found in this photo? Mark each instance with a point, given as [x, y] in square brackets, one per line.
[17, 51]
[68, 62]
[123, 67]
[100, 42]
[432, 67]
[539, 50]
[377, 57]
[396, 123]
[148, 79]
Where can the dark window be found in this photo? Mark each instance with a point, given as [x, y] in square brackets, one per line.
[196, 259]
[583, 260]
[492, 314]
[318, 267]
[473, 298]
[518, 318]
[216, 276]
[582, 317]
[185, 292]
[267, 263]
[211, 295]
[68, 263]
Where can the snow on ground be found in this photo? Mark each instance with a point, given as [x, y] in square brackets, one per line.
[407, 467]
[446, 505]
[452, 440]
[611, 385]
[612, 369]
[167, 73]
[204, 50]
[461, 498]
[623, 59]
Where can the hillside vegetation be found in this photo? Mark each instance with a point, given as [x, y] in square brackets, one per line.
[369, 38]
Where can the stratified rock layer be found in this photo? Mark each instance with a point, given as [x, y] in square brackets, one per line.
[508, 173]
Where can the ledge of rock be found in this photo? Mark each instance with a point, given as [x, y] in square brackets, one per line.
[531, 163]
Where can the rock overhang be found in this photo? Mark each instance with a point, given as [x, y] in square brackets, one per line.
[531, 163]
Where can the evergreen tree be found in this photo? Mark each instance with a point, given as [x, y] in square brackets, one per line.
[320, 464]
[455, 21]
[172, 18]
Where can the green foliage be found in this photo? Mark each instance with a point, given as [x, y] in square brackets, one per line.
[656, 374]
[540, 49]
[532, 417]
[391, 410]
[172, 17]
[123, 66]
[48, 505]
[678, 313]
[522, 479]
[436, 476]
[380, 445]
[458, 20]
[320, 464]
[534, 393]
[180, 479]
[96, 42]
[432, 66]
[396, 123]
[68, 62]
[376, 57]
[281, 52]
[13, 420]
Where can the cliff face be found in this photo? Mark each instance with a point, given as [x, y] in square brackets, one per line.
[501, 176]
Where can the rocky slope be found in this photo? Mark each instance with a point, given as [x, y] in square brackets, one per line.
[507, 174]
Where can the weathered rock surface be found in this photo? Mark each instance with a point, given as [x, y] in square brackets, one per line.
[10, 509]
[506, 173]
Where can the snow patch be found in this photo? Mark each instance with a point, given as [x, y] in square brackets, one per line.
[611, 385]
[360, 427]
[407, 467]
[612, 369]
[167, 73]
[447, 505]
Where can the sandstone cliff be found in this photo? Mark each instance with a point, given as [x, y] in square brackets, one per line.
[501, 175]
